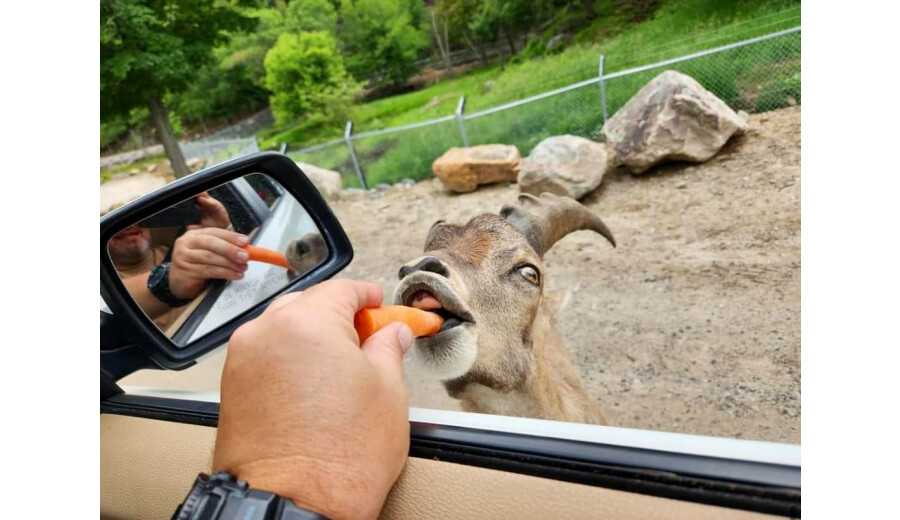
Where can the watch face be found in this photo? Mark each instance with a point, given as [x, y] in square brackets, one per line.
[156, 275]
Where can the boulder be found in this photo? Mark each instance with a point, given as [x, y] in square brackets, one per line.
[464, 169]
[328, 182]
[196, 164]
[563, 165]
[164, 170]
[672, 118]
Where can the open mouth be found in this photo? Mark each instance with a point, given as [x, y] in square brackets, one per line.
[430, 295]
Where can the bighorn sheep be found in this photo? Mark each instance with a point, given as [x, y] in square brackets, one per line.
[498, 351]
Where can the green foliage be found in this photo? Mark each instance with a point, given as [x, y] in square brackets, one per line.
[307, 78]
[382, 39]
[217, 92]
[113, 129]
[761, 77]
[152, 47]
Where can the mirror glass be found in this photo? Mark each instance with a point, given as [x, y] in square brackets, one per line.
[199, 263]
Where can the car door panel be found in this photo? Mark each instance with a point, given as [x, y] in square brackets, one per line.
[147, 467]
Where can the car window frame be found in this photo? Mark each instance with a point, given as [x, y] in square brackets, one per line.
[749, 475]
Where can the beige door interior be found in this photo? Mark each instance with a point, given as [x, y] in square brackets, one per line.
[148, 466]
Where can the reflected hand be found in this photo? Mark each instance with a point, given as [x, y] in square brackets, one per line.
[206, 254]
[212, 213]
[308, 414]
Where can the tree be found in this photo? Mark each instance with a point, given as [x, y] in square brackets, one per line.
[248, 50]
[151, 48]
[307, 78]
[503, 17]
[383, 38]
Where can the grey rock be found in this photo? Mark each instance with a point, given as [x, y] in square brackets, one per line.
[381, 186]
[328, 182]
[672, 118]
[564, 165]
[556, 41]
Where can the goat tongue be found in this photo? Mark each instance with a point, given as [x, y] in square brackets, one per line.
[424, 301]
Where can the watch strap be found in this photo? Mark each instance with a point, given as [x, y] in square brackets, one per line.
[158, 284]
[223, 497]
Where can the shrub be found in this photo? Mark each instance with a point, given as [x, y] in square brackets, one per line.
[307, 78]
[382, 39]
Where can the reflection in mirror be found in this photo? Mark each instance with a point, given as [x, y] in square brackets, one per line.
[196, 265]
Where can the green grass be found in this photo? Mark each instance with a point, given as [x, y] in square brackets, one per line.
[756, 78]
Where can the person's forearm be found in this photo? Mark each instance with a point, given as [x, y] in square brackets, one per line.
[137, 288]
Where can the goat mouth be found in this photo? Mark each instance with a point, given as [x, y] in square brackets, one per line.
[428, 294]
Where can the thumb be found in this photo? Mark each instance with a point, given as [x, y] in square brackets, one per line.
[385, 348]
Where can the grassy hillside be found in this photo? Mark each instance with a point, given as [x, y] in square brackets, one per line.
[761, 78]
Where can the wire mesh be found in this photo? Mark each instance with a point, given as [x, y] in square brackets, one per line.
[393, 156]
[576, 112]
[215, 151]
[757, 75]
[333, 155]
[755, 78]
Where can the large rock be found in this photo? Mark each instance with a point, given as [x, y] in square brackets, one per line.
[672, 118]
[464, 169]
[564, 165]
[328, 182]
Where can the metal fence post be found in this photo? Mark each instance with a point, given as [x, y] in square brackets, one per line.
[602, 87]
[359, 173]
[459, 117]
[283, 148]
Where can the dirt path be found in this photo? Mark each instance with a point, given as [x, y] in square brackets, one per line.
[693, 323]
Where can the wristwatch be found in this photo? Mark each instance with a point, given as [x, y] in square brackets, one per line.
[158, 283]
[223, 497]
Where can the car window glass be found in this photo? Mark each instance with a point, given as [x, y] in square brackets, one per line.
[663, 293]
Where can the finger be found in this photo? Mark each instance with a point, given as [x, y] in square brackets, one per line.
[229, 236]
[218, 241]
[385, 349]
[194, 226]
[204, 257]
[351, 295]
[215, 273]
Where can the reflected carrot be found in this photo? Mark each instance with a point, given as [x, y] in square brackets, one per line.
[369, 321]
[261, 254]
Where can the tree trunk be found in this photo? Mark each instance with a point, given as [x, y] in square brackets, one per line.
[480, 50]
[442, 45]
[160, 118]
[512, 46]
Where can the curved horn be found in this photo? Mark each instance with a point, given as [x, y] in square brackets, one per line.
[546, 219]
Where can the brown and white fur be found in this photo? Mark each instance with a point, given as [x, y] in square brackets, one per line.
[499, 351]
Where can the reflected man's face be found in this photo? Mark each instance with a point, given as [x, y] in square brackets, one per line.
[130, 246]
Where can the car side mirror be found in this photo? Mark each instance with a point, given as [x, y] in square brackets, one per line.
[174, 266]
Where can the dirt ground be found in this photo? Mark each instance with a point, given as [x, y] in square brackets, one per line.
[692, 324]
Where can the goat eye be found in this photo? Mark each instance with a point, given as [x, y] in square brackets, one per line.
[530, 273]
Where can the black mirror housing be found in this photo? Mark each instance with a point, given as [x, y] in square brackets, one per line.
[143, 337]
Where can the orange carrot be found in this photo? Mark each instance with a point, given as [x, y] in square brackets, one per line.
[369, 321]
[261, 254]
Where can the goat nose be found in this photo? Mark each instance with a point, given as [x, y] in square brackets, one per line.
[429, 263]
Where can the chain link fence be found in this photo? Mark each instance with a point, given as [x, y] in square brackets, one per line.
[214, 151]
[754, 75]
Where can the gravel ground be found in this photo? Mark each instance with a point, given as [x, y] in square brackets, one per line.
[692, 324]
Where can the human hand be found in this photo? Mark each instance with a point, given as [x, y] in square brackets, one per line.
[206, 254]
[212, 212]
[309, 415]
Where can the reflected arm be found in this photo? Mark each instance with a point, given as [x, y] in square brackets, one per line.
[137, 288]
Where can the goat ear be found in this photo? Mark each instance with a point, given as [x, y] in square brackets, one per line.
[546, 219]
